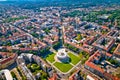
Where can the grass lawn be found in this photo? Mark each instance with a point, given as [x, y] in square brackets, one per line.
[74, 59]
[50, 57]
[63, 67]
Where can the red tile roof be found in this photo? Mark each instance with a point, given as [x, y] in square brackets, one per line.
[90, 63]
[109, 76]
[54, 77]
[105, 27]
[93, 66]
[72, 76]
[8, 59]
[108, 54]
[117, 50]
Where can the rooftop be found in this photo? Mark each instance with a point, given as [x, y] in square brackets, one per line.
[117, 50]
[7, 74]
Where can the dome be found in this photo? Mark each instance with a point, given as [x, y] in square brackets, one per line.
[62, 56]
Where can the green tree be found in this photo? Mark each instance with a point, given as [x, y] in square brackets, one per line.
[79, 37]
[56, 45]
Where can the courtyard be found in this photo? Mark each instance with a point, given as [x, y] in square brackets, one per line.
[61, 66]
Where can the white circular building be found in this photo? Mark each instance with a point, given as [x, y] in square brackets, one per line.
[62, 56]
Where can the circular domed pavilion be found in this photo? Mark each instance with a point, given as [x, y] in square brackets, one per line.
[62, 56]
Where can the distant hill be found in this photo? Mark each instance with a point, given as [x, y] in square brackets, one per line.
[71, 0]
